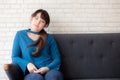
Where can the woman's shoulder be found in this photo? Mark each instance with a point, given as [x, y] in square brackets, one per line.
[50, 36]
[21, 31]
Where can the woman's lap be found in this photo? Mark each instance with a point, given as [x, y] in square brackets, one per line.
[53, 75]
[50, 75]
[33, 76]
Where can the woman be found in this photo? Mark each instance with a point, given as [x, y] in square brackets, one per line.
[36, 51]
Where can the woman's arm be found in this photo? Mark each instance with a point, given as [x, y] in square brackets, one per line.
[55, 54]
[16, 53]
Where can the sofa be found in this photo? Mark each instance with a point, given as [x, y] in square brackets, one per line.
[94, 56]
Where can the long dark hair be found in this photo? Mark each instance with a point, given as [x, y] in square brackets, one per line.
[40, 43]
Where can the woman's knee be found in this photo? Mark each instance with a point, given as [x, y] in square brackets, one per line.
[33, 76]
[54, 75]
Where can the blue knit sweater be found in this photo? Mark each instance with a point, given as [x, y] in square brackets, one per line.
[21, 55]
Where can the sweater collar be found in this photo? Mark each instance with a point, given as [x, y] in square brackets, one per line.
[33, 32]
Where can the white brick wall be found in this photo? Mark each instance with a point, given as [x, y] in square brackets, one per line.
[67, 16]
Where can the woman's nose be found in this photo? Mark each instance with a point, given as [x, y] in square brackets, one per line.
[37, 22]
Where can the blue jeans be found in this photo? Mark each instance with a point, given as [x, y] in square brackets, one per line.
[50, 75]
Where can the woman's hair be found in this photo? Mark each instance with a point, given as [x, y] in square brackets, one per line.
[40, 43]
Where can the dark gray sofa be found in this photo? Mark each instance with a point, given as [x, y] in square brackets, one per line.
[84, 57]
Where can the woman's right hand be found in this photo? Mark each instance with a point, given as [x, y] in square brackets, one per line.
[31, 67]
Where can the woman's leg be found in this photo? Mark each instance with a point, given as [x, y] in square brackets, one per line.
[53, 75]
[33, 76]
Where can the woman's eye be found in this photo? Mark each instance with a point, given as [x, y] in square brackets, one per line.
[36, 18]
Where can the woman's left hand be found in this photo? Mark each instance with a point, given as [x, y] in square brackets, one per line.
[42, 70]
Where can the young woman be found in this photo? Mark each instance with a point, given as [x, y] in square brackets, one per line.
[36, 51]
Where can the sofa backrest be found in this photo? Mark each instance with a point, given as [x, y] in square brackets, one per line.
[89, 55]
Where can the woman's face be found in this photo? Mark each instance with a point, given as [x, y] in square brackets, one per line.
[37, 23]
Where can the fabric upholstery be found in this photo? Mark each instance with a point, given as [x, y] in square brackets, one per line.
[14, 72]
[90, 56]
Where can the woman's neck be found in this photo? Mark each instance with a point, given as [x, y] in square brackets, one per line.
[33, 32]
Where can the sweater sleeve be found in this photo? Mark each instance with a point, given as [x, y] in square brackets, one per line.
[16, 53]
[54, 51]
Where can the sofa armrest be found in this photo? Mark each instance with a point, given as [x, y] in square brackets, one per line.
[13, 71]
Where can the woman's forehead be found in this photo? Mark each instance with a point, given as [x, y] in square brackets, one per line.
[38, 15]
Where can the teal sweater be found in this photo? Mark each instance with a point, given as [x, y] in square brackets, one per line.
[21, 55]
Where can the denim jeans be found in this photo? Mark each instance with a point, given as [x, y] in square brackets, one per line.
[50, 75]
